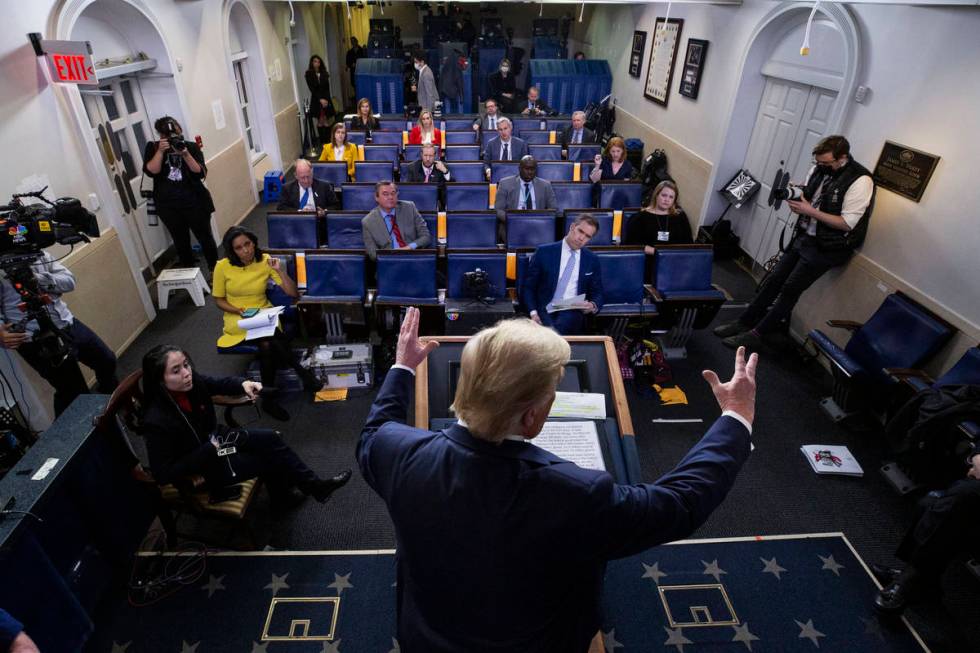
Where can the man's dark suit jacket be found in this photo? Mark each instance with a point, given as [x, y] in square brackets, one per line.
[518, 148]
[502, 547]
[415, 174]
[541, 279]
[323, 195]
[588, 137]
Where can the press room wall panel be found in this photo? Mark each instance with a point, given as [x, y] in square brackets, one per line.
[230, 183]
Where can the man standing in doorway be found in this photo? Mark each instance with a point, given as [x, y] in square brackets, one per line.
[838, 197]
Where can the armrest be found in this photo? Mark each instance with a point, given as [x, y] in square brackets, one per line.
[850, 325]
[653, 293]
[724, 292]
[903, 373]
[230, 404]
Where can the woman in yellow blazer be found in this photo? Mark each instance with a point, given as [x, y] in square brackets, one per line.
[338, 149]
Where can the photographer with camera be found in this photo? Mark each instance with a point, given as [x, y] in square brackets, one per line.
[22, 332]
[183, 202]
[834, 205]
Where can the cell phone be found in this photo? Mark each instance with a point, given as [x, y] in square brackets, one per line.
[250, 312]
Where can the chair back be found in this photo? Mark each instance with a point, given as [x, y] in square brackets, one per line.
[414, 152]
[357, 137]
[467, 197]
[684, 268]
[557, 124]
[584, 152]
[121, 415]
[573, 195]
[462, 152]
[425, 196]
[293, 230]
[467, 171]
[393, 124]
[966, 371]
[387, 153]
[556, 170]
[545, 152]
[471, 229]
[537, 137]
[620, 194]
[602, 237]
[358, 197]
[335, 276]
[407, 277]
[622, 276]
[373, 171]
[530, 228]
[344, 230]
[333, 171]
[463, 137]
[486, 136]
[523, 125]
[459, 124]
[502, 169]
[458, 263]
[383, 137]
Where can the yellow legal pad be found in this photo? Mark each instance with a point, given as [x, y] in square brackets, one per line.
[331, 394]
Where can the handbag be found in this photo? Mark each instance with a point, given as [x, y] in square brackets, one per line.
[152, 218]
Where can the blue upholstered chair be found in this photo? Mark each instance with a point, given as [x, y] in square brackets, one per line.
[425, 196]
[431, 223]
[387, 153]
[288, 319]
[523, 125]
[463, 137]
[467, 197]
[357, 137]
[545, 152]
[965, 371]
[556, 170]
[358, 197]
[536, 137]
[462, 152]
[624, 295]
[530, 228]
[686, 297]
[459, 123]
[573, 195]
[467, 171]
[406, 278]
[523, 261]
[557, 124]
[333, 171]
[619, 194]
[585, 152]
[379, 137]
[344, 230]
[414, 152]
[501, 169]
[372, 171]
[486, 136]
[900, 334]
[471, 229]
[393, 123]
[334, 278]
[493, 263]
[294, 230]
[603, 237]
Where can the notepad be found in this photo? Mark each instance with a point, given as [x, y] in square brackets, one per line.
[831, 459]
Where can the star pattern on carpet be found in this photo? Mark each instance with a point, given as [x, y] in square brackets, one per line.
[873, 627]
[259, 648]
[340, 583]
[713, 570]
[278, 583]
[395, 646]
[213, 585]
[772, 567]
[831, 564]
[609, 641]
[807, 631]
[189, 648]
[675, 637]
[120, 648]
[331, 647]
[653, 572]
[743, 635]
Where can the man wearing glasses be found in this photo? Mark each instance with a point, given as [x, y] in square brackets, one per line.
[838, 197]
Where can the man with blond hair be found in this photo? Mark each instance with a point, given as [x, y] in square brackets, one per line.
[502, 545]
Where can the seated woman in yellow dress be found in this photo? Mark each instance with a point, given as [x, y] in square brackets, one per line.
[240, 283]
[338, 149]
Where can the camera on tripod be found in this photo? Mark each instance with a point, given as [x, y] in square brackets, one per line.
[476, 284]
[782, 190]
[175, 138]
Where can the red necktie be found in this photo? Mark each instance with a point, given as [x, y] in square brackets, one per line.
[397, 232]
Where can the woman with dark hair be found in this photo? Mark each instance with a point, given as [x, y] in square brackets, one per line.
[183, 438]
[663, 222]
[339, 149]
[241, 282]
[503, 87]
[182, 201]
[364, 120]
[614, 165]
[321, 106]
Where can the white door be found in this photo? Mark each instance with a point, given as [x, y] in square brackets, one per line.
[792, 118]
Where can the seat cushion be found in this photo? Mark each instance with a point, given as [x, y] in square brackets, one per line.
[622, 309]
[241, 348]
[835, 353]
[330, 299]
[234, 509]
[676, 295]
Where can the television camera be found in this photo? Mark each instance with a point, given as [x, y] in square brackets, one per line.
[478, 287]
[26, 229]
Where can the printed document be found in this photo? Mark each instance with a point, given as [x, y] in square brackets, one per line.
[574, 441]
[585, 405]
[263, 324]
[566, 304]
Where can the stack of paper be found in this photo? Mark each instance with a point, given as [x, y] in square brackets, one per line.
[584, 405]
[263, 324]
[831, 459]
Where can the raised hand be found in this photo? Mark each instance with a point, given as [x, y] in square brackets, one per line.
[738, 394]
[410, 351]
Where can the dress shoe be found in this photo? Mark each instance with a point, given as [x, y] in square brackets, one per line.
[322, 488]
[908, 587]
[285, 500]
[885, 575]
[272, 408]
[751, 340]
[730, 329]
[310, 382]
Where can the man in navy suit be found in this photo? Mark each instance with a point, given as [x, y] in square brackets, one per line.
[502, 545]
[561, 271]
[506, 147]
[305, 193]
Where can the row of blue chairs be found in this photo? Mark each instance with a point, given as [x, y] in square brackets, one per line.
[461, 171]
[341, 230]
[521, 124]
[394, 153]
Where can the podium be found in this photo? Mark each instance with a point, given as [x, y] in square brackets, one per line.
[593, 367]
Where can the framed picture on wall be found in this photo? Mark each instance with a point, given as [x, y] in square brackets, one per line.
[660, 72]
[697, 50]
[636, 54]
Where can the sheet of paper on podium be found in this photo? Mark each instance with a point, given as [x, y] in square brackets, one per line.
[584, 405]
[574, 441]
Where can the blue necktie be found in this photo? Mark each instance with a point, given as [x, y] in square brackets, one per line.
[566, 277]
[303, 200]
[506, 155]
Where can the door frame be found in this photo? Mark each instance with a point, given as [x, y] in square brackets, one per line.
[744, 103]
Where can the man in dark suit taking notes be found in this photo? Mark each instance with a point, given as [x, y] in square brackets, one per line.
[305, 193]
[502, 545]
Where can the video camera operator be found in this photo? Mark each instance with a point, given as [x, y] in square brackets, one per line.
[18, 332]
[183, 202]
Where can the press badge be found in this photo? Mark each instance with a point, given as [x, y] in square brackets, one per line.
[663, 236]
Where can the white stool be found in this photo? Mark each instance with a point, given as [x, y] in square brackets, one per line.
[189, 279]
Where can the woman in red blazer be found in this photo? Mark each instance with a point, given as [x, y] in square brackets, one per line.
[425, 131]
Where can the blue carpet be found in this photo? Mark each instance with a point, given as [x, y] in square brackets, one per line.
[801, 593]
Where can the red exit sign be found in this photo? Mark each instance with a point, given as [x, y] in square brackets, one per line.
[70, 62]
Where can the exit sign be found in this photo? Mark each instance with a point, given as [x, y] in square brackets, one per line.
[70, 62]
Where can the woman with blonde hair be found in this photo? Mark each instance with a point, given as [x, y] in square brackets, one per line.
[662, 222]
[425, 131]
[614, 165]
[338, 149]
[364, 120]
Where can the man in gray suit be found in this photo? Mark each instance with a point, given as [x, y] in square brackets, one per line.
[393, 224]
[488, 121]
[426, 86]
[505, 147]
[525, 192]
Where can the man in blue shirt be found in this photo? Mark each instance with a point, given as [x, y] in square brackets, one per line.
[393, 223]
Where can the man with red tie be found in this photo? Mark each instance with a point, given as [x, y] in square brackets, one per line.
[428, 169]
[393, 223]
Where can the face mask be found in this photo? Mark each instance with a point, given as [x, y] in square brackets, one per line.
[418, 66]
[825, 169]
[505, 69]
